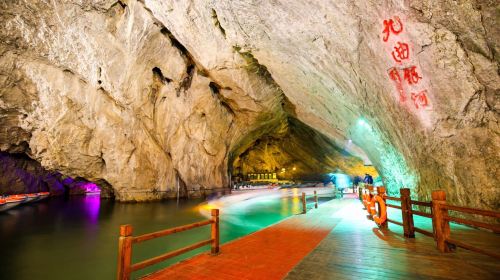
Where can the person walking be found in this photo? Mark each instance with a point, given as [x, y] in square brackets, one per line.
[368, 179]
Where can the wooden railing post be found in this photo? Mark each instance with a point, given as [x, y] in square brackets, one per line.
[304, 209]
[215, 232]
[381, 193]
[124, 252]
[363, 198]
[441, 225]
[370, 191]
[315, 200]
[408, 227]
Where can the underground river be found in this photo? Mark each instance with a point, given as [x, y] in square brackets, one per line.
[76, 237]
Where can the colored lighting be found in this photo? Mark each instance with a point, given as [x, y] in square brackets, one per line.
[363, 123]
[390, 163]
[91, 188]
[92, 205]
[341, 180]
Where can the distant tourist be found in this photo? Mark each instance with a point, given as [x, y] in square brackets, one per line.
[368, 179]
[356, 180]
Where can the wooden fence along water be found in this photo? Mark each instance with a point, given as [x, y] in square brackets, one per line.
[439, 213]
[304, 201]
[375, 203]
[126, 240]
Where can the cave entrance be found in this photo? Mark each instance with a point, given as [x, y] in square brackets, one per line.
[297, 154]
[23, 175]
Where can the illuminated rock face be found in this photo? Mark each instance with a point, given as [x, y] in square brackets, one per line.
[297, 152]
[139, 93]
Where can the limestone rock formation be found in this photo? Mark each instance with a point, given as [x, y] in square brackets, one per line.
[144, 94]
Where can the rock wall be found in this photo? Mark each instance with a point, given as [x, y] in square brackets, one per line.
[102, 90]
[21, 175]
[142, 94]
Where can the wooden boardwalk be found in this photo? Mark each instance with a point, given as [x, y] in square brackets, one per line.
[357, 249]
[336, 241]
[266, 254]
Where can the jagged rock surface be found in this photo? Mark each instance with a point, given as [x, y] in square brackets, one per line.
[137, 93]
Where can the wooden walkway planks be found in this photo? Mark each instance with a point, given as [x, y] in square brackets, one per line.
[267, 254]
[357, 249]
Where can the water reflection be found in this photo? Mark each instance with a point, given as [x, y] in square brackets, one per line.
[92, 204]
[78, 236]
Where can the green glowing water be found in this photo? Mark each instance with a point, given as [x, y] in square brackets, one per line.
[77, 238]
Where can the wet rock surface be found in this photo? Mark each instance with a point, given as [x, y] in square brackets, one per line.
[145, 94]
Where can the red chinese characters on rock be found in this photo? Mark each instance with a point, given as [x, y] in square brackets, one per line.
[420, 99]
[389, 27]
[394, 75]
[411, 76]
[405, 75]
[401, 52]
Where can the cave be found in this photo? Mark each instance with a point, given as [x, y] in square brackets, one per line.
[148, 101]
[297, 152]
[184, 106]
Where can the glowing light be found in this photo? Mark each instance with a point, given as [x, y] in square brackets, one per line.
[92, 205]
[363, 123]
[390, 163]
[91, 188]
[340, 180]
[294, 168]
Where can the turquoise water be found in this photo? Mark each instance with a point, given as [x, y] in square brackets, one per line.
[77, 238]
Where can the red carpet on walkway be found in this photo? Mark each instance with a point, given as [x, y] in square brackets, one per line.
[266, 254]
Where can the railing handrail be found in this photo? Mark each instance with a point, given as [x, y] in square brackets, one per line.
[160, 258]
[126, 240]
[420, 213]
[493, 227]
[393, 206]
[393, 198]
[161, 233]
[440, 219]
[421, 203]
[470, 210]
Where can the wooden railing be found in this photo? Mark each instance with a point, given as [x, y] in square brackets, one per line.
[440, 218]
[304, 201]
[126, 240]
[407, 212]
